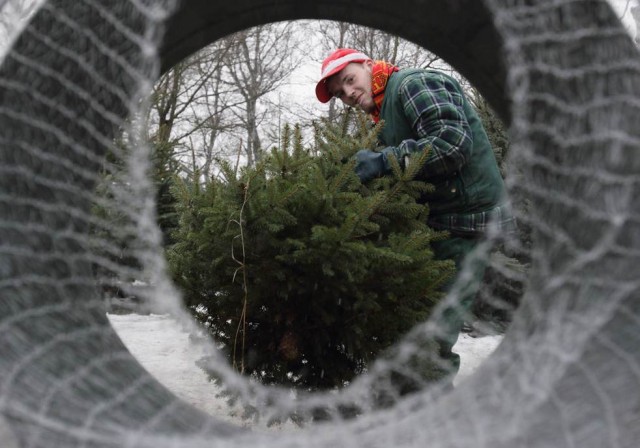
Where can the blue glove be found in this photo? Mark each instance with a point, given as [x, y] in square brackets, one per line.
[370, 165]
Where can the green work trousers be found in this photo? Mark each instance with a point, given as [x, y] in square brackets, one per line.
[465, 287]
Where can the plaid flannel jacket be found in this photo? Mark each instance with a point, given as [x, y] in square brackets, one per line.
[428, 109]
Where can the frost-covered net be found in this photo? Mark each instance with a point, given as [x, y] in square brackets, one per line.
[73, 157]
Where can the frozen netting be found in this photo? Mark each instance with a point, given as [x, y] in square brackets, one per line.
[567, 374]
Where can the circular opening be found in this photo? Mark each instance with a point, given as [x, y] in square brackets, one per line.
[187, 214]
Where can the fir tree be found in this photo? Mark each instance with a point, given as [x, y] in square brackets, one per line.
[163, 175]
[306, 274]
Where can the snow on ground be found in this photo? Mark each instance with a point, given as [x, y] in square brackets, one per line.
[473, 351]
[165, 350]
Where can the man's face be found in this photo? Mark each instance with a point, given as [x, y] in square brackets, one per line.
[352, 85]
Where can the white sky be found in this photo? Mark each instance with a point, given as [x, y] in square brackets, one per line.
[623, 9]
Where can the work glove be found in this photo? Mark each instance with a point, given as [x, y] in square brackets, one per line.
[370, 165]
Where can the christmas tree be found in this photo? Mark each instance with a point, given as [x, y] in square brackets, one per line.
[302, 273]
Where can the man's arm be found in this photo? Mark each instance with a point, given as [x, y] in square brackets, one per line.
[434, 105]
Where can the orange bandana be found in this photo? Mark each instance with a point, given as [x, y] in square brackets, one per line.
[379, 76]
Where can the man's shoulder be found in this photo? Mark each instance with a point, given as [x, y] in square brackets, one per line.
[410, 80]
[408, 75]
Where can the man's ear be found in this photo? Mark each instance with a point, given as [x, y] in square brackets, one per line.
[368, 65]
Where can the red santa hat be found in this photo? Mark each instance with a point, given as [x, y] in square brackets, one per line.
[335, 62]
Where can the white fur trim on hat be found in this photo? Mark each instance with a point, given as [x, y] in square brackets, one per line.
[341, 61]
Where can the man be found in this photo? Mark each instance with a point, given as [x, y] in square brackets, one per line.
[428, 109]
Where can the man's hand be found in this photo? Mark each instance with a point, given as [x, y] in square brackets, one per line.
[370, 165]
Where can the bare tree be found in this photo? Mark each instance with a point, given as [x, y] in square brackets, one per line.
[191, 109]
[259, 62]
[210, 120]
